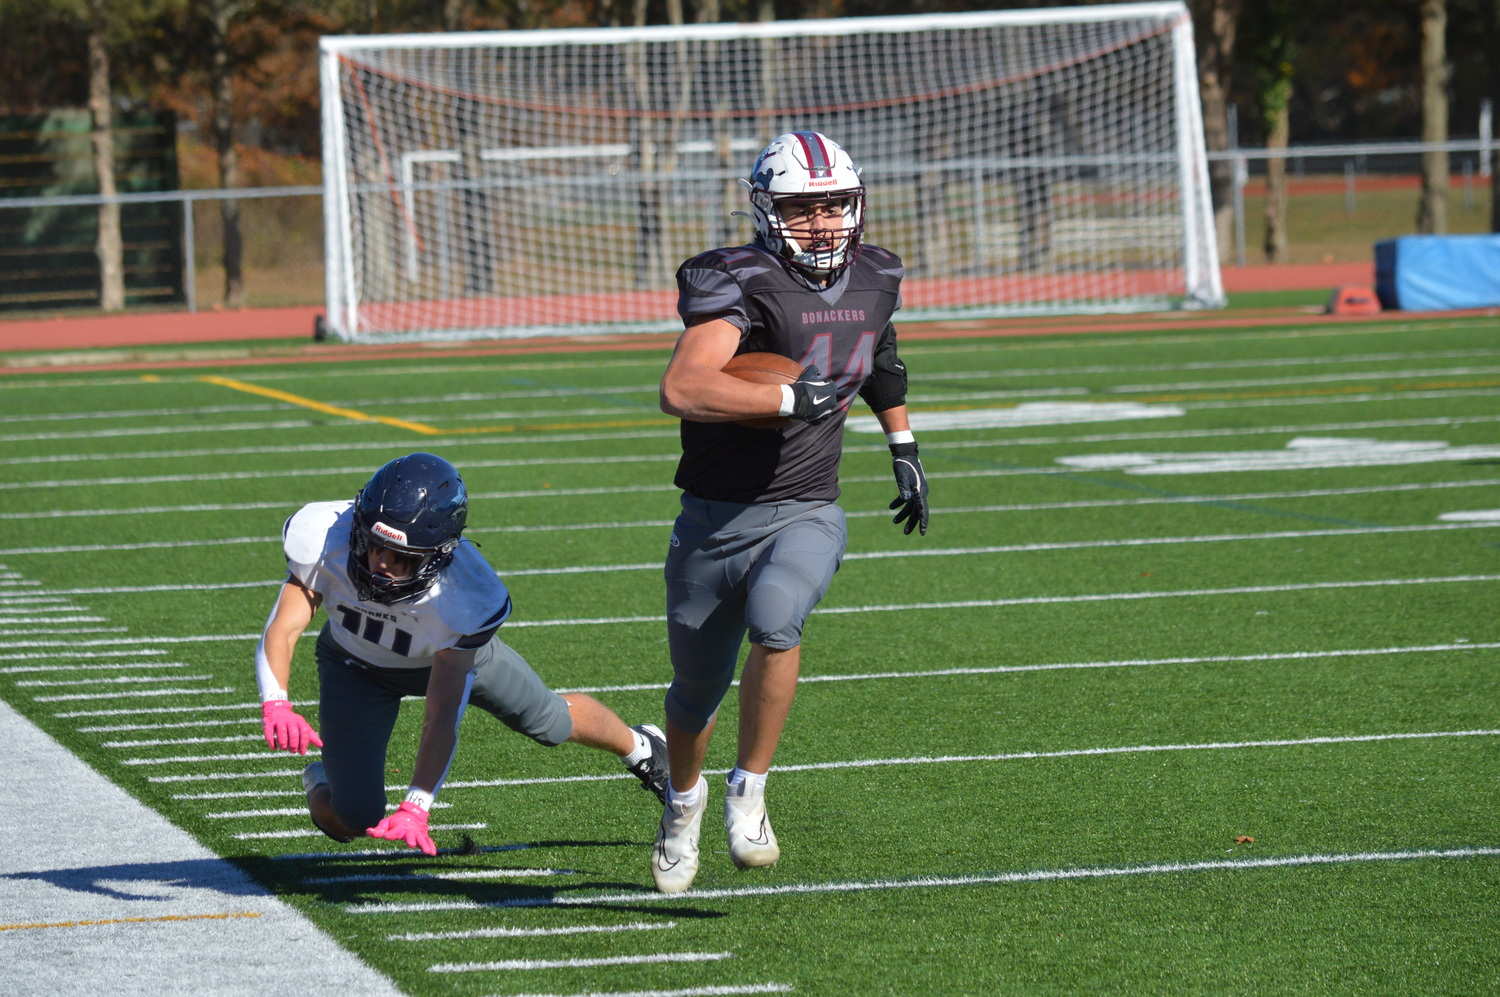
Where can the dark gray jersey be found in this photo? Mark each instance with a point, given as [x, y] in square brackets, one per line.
[838, 328]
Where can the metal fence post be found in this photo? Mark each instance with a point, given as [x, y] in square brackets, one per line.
[1239, 176]
[1486, 136]
[189, 259]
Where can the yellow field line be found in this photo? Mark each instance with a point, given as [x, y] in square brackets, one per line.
[316, 406]
[421, 427]
[130, 920]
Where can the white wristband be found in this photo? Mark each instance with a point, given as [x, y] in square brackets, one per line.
[788, 400]
[900, 436]
[420, 797]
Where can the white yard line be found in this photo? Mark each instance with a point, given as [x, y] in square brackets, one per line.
[1016, 756]
[733, 990]
[580, 929]
[121, 694]
[102, 667]
[361, 471]
[174, 741]
[1051, 372]
[857, 555]
[123, 680]
[938, 882]
[120, 728]
[315, 833]
[73, 649]
[934, 673]
[1199, 499]
[462, 874]
[527, 965]
[259, 756]
[1214, 659]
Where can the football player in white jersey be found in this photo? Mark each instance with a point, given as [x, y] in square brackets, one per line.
[412, 610]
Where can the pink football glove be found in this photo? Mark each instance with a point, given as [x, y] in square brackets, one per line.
[285, 730]
[408, 824]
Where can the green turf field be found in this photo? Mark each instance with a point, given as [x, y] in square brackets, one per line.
[1191, 688]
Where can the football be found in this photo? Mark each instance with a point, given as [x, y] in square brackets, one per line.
[764, 368]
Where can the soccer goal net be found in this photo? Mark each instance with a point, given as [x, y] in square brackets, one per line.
[549, 182]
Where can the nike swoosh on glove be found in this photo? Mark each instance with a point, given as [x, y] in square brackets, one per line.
[911, 487]
[285, 729]
[813, 398]
[408, 824]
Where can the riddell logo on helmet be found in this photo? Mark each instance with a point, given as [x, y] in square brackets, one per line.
[815, 182]
[384, 532]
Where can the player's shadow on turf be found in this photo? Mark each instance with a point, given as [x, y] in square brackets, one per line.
[165, 879]
[403, 875]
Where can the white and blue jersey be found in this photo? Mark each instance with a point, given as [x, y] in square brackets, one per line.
[463, 608]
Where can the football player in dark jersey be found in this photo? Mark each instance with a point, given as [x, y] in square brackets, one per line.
[761, 535]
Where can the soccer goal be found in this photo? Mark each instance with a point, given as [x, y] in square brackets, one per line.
[549, 182]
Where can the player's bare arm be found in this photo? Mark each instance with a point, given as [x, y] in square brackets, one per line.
[695, 386]
[285, 729]
[894, 420]
[446, 689]
[292, 614]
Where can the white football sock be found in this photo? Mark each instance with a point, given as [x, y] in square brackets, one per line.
[744, 784]
[687, 800]
[642, 749]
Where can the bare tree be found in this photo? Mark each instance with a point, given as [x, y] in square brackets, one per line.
[1214, 26]
[1269, 37]
[1278, 132]
[109, 246]
[1432, 210]
[221, 14]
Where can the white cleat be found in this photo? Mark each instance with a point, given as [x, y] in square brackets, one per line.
[752, 843]
[674, 857]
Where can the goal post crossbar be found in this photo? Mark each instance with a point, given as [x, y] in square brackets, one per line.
[535, 182]
[1167, 11]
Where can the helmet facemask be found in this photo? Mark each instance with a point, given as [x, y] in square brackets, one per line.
[416, 507]
[374, 587]
[797, 170]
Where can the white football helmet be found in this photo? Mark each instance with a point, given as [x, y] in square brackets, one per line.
[807, 167]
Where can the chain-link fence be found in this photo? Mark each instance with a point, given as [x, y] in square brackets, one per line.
[1341, 199]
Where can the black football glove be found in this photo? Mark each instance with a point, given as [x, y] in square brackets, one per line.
[911, 487]
[813, 398]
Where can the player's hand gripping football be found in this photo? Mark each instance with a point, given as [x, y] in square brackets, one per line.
[286, 730]
[408, 824]
[911, 487]
[813, 398]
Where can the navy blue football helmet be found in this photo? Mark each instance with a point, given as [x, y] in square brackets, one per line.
[417, 506]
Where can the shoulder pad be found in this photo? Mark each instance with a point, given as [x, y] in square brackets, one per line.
[883, 261]
[469, 597]
[306, 534]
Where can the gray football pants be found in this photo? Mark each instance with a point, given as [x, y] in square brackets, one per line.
[357, 710]
[734, 569]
